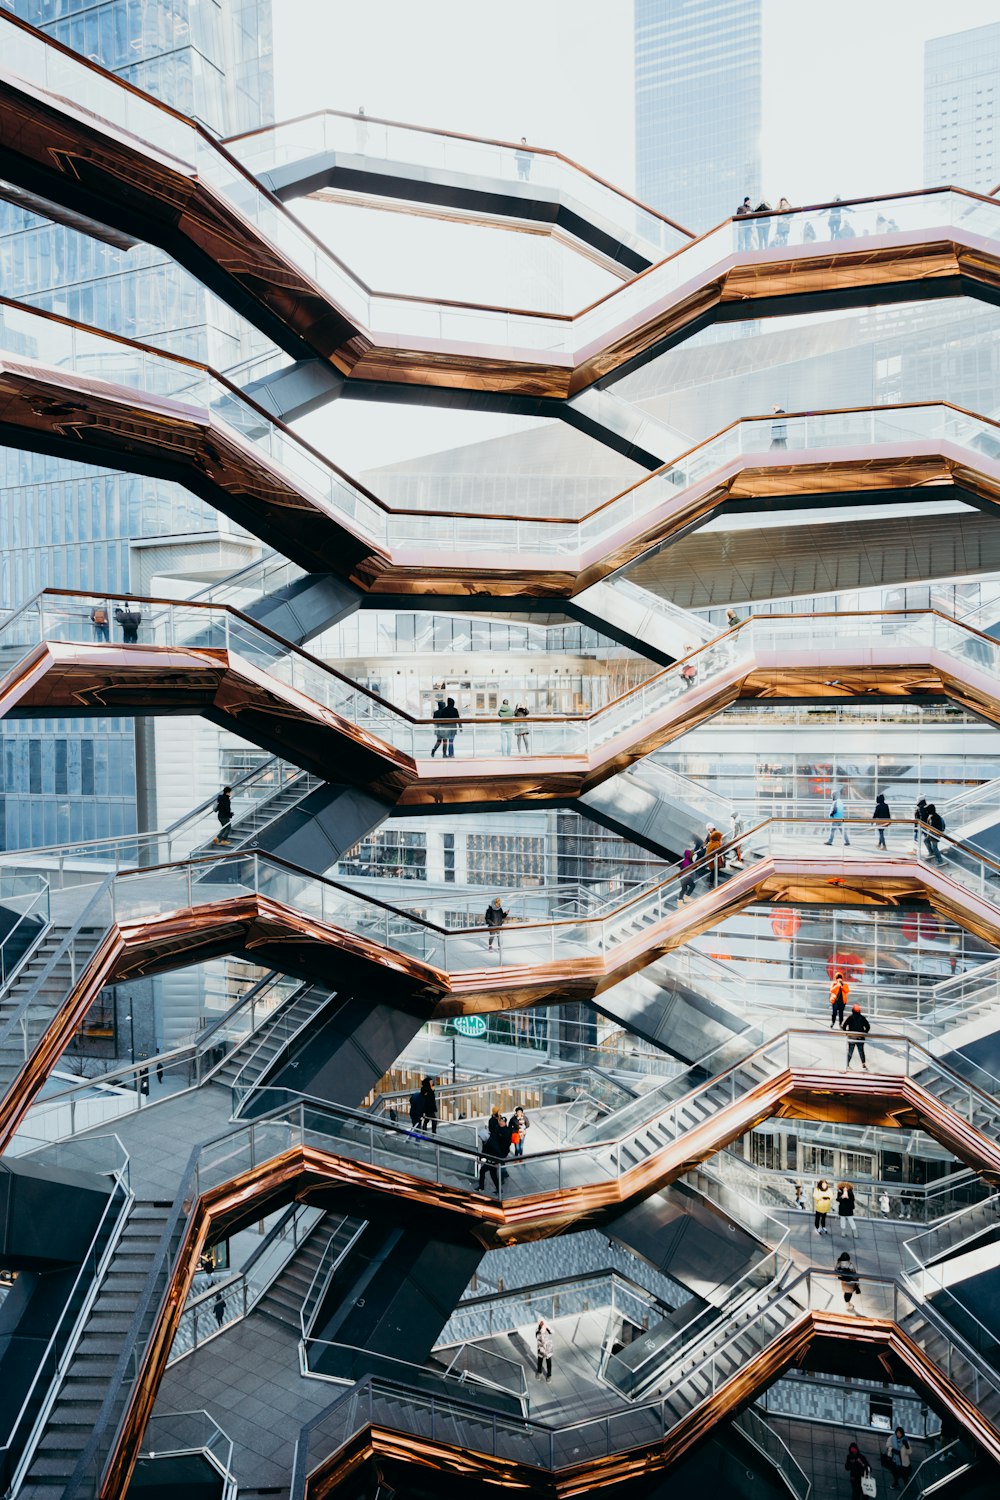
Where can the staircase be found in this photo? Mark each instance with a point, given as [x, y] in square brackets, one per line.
[283, 1300]
[85, 1385]
[981, 1112]
[976, 1381]
[245, 829]
[252, 1060]
[48, 998]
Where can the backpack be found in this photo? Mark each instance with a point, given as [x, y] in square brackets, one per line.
[99, 616]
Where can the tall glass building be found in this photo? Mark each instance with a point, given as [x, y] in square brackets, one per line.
[698, 91]
[962, 108]
[75, 525]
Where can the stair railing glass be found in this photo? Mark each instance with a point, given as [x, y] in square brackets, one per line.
[767, 1442]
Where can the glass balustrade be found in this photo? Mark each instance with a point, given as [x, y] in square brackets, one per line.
[534, 171]
[686, 688]
[182, 147]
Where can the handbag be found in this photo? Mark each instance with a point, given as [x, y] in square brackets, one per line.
[868, 1486]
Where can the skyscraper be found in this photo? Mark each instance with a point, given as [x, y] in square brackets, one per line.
[698, 88]
[74, 524]
[962, 108]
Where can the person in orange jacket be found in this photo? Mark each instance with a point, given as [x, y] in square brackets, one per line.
[839, 991]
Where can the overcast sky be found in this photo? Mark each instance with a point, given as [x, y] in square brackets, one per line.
[843, 81]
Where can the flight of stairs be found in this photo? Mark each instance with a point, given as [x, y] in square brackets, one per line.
[271, 1037]
[72, 1418]
[246, 828]
[284, 1298]
[982, 1389]
[49, 998]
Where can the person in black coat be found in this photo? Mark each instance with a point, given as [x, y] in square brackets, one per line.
[224, 813]
[495, 1141]
[858, 1026]
[495, 918]
[429, 1114]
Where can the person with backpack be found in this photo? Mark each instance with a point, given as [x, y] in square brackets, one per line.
[224, 813]
[837, 820]
[934, 821]
[839, 991]
[687, 884]
[416, 1109]
[129, 618]
[919, 816]
[99, 620]
[857, 1025]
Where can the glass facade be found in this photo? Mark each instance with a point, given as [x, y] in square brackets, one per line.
[698, 91]
[70, 525]
[962, 109]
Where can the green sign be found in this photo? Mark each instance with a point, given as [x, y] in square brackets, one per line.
[469, 1025]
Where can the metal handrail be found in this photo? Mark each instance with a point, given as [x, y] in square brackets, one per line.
[324, 1273]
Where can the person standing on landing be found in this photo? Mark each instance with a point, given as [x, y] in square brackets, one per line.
[822, 1199]
[857, 1467]
[839, 991]
[857, 1025]
[850, 1281]
[495, 918]
[505, 713]
[837, 816]
[543, 1348]
[845, 1209]
[897, 1451]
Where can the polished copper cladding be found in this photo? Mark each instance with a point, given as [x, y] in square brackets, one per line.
[87, 679]
[91, 166]
[52, 409]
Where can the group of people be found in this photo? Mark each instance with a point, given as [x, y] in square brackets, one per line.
[513, 729]
[704, 859]
[126, 615]
[447, 724]
[501, 1136]
[823, 1202]
[779, 217]
[895, 1458]
[926, 819]
[856, 1023]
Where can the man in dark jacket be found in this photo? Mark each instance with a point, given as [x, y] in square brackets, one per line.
[224, 813]
[495, 918]
[934, 820]
[858, 1025]
[496, 1149]
[129, 618]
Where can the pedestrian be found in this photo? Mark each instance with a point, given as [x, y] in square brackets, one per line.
[416, 1109]
[451, 727]
[522, 157]
[763, 225]
[897, 1451]
[850, 1281]
[129, 618]
[936, 825]
[440, 736]
[689, 671]
[836, 217]
[704, 865]
[495, 918]
[429, 1110]
[858, 1468]
[784, 223]
[845, 1209]
[858, 1026]
[687, 883]
[224, 813]
[744, 231]
[521, 729]
[800, 1201]
[712, 846]
[884, 1206]
[735, 834]
[99, 620]
[881, 817]
[159, 1072]
[219, 1308]
[839, 991]
[543, 1346]
[521, 1124]
[822, 1202]
[732, 619]
[505, 713]
[494, 1139]
[919, 816]
[779, 430]
[906, 1205]
[836, 816]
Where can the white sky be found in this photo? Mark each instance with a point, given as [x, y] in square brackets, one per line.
[843, 78]
[843, 110]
